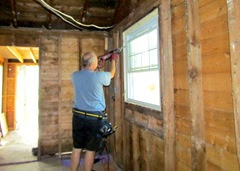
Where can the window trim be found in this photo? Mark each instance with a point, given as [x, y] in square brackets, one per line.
[133, 32]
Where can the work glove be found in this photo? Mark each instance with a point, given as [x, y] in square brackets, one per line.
[114, 56]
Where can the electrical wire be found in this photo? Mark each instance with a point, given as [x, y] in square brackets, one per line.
[73, 22]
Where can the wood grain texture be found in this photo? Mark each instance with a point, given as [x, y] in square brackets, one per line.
[195, 85]
[167, 84]
[234, 33]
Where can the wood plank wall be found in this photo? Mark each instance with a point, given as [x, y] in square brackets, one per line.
[220, 137]
[60, 52]
[217, 88]
[138, 143]
[208, 37]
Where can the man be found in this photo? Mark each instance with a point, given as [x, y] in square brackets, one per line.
[89, 103]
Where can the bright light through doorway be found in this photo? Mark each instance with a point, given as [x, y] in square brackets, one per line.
[27, 102]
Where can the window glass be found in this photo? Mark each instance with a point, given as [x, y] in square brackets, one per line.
[142, 67]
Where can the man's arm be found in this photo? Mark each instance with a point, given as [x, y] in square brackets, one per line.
[113, 68]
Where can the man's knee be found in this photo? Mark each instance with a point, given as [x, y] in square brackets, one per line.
[76, 150]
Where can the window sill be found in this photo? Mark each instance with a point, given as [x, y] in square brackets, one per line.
[144, 110]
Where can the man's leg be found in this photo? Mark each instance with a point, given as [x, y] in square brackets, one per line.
[88, 161]
[75, 159]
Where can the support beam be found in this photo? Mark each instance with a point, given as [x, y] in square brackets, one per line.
[14, 13]
[195, 85]
[167, 85]
[84, 12]
[118, 103]
[59, 49]
[49, 17]
[133, 4]
[32, 55]
[15, 52]
[234, 34]
[5, 72]
[121, 11]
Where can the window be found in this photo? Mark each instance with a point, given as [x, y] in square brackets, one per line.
[142, 64]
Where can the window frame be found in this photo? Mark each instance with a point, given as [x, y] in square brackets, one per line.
[136, 30]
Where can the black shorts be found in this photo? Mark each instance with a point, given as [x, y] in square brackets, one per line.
[86, 132]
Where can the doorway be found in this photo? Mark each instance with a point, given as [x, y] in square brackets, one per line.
[27, 102]
[19, 142]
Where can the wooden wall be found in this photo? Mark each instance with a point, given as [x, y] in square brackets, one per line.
[219, 131]
[138, 143]
[60, 52]
[205, 117]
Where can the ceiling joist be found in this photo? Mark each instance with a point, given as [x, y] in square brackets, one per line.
[15, 52]
[14, 13]
[49, 17]
[32, 55]
[84, 12]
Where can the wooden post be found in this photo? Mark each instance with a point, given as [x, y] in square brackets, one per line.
[167, 85]
[118, 99]
[195, 84]
[234, 33]
[110, 104]
[5, 71]
[39, 101]
[59, 96]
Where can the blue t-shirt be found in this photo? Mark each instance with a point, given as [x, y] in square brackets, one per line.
[88, 89]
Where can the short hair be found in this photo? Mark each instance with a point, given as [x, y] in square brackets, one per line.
[88, 58]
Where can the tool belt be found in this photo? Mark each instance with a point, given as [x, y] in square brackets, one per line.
[100, 115]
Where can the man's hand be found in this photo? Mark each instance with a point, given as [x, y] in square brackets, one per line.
[114, 56]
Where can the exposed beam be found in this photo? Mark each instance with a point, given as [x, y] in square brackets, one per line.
[121, 11]
[49, 17]
[234, 34]
[32, 55]
[165, 32]
[15, 52]
[133, 3]
[84, 12]
[14, 13]
[195, 85]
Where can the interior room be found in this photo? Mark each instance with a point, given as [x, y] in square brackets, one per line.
[175, 96]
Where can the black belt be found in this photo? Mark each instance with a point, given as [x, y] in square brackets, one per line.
[88, 114]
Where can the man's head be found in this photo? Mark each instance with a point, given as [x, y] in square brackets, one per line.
[89, 61]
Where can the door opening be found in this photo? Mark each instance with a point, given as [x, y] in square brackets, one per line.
[27, 103]
[21, 96]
